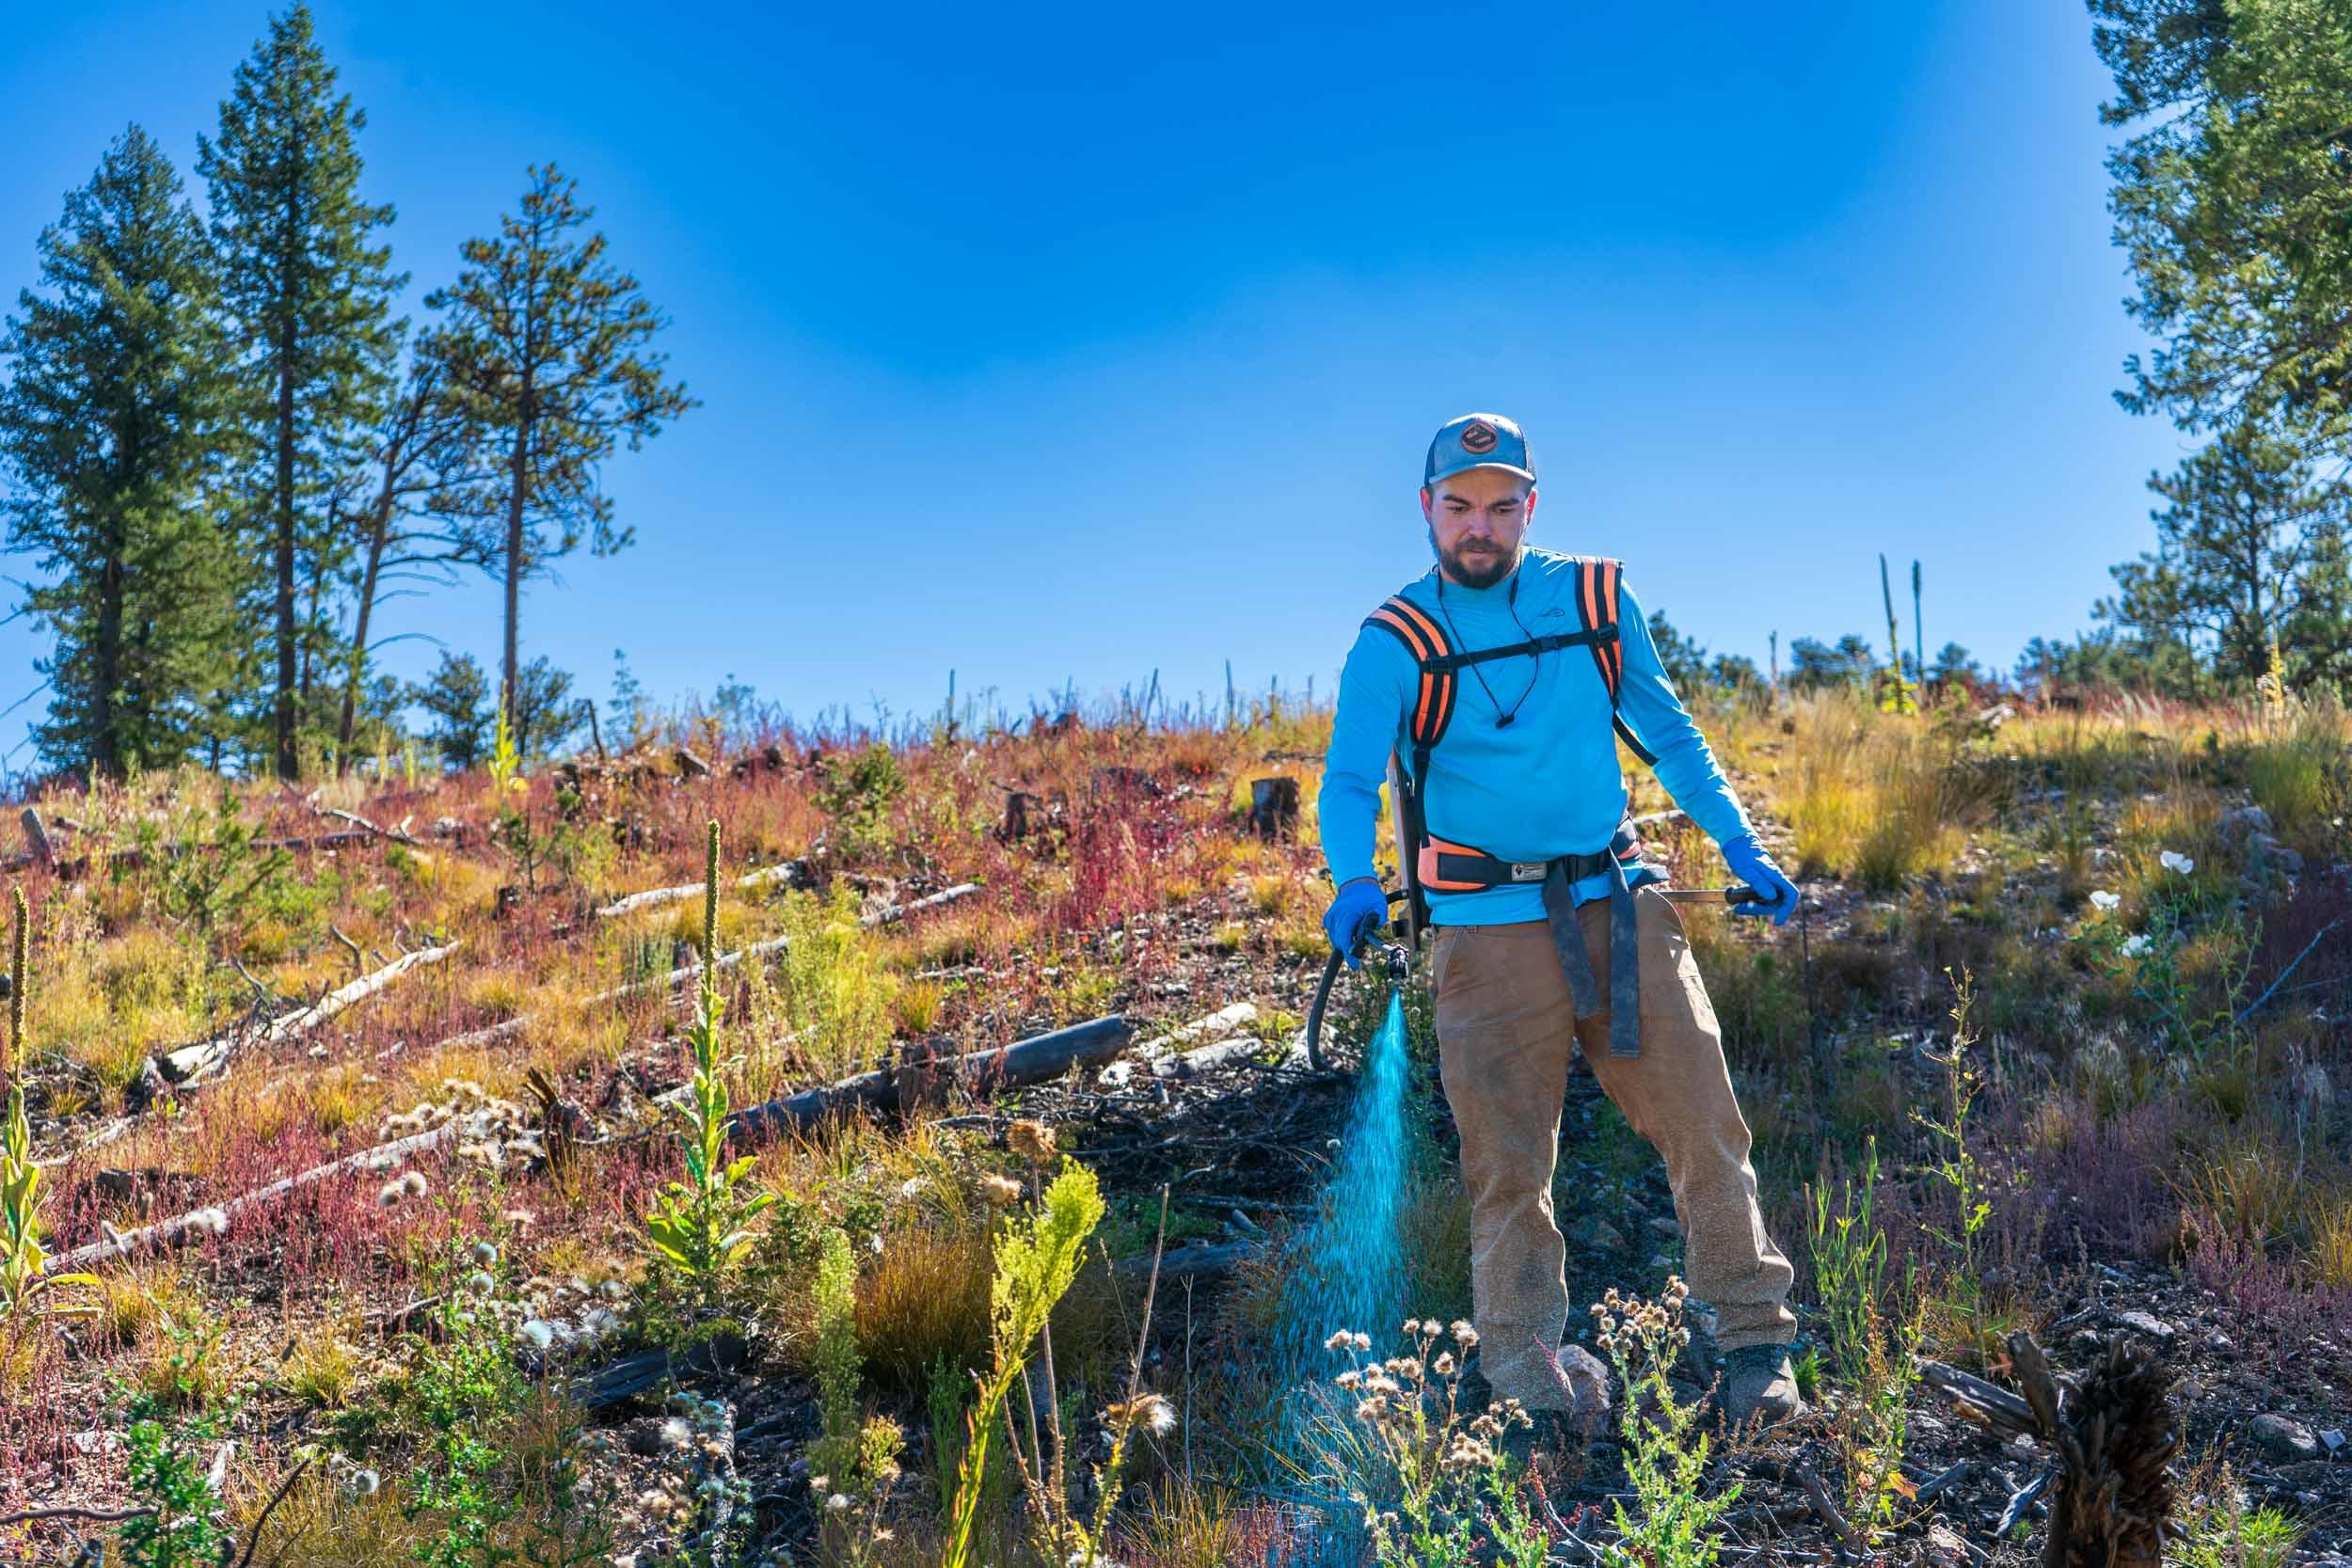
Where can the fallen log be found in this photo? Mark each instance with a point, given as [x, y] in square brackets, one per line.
[217, 1219]
[791, 872]
[507, 1028]
[185, 1064]
[1199, 1261]
[1036, 1061]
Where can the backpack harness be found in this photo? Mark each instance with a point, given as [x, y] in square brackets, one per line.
[1433, 864]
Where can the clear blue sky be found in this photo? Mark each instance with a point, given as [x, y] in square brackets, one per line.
[1042, 344]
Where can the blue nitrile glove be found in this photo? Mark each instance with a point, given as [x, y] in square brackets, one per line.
[1359, 909]
[1752, 866]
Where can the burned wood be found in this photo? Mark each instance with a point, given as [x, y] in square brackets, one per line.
[1273, 807]
[1825, 1508]
[1036, 1061]
[636, 1374]
[189, 1061]
[1979, 1400]
[2112, 1437]
[1199, 1260]
[37, 837]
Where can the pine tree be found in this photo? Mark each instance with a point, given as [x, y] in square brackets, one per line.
[111, 426]
[423, 454]
[457, 696]
[546, 348]
[311, 298]
[2244, 558]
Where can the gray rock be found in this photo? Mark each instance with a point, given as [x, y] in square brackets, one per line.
[2246, 819]
[1665, 1227]
[1593, 1231]
[2283, 1438]
[1586, 1380]
[2145, 1322]
[2264, 853]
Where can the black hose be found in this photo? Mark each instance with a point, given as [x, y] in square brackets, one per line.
[1323, 994]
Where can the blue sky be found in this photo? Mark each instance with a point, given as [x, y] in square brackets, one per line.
[1046, 345]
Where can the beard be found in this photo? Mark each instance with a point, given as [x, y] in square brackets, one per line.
[1482, 571]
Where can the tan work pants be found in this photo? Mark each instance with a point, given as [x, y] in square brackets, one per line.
[1506, 1030]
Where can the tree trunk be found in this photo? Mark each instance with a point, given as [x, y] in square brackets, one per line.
[287, 763]
[518, 480]
[105, 755]
[376, 531]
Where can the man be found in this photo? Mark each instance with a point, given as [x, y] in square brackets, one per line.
[1525, 770]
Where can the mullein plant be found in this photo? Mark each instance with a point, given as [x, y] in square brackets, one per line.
[23, 1261]
[702, 1225]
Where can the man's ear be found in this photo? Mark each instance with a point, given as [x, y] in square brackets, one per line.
[1531, 506]
[1425, 514]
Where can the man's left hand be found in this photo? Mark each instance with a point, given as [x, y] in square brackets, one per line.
[1776, 895]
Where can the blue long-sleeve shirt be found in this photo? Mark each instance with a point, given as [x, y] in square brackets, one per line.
[1546, 785]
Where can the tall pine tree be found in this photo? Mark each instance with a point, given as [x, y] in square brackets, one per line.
[111, 429]
[310, 296]
[547, 347]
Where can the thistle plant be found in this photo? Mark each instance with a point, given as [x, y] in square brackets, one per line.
[23, 1260]
[1665, 1444]
[1440, 1470]
[702, 1225]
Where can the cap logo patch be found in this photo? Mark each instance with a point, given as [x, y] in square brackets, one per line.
[1478, 438]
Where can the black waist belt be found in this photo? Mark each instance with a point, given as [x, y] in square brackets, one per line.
[1458, 865]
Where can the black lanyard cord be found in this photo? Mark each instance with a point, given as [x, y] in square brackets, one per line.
[1510, 604]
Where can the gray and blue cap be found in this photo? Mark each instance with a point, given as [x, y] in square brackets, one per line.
[1478, 441]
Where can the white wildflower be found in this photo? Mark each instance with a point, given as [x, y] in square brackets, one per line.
[540, 1333]
[213, 1220]
[2172, 860]
[2135, 945]
[2105, 901]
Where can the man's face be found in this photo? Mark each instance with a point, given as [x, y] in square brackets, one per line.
[1476, 520]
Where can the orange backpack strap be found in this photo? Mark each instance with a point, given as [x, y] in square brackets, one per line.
[1597, 580]
[1432, 709]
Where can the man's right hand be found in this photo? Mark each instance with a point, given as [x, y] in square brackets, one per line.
[1356, 911]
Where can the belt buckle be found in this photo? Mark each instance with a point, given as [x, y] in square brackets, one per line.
[1528, 871]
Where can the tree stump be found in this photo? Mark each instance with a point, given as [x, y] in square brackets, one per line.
[1019, 804]
[1273, 807]
[37, 837]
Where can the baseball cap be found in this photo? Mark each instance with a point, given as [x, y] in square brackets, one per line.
[1478, 441]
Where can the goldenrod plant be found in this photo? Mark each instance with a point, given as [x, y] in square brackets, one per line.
[702, 1225]
[23, 1260]
[1037, 1257]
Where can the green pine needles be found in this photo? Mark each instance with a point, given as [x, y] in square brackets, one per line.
[702, 1225]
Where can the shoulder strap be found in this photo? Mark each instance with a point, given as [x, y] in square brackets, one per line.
[1597, 579]
[1419, 631]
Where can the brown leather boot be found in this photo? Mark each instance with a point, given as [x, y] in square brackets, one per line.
[1757, 1381]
